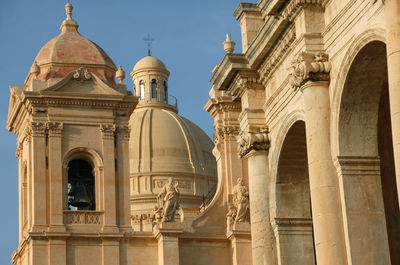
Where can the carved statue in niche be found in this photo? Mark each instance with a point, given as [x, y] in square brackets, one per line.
[168, 201]
[240, 201]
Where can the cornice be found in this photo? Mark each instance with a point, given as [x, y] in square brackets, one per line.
[246, 8]
[227, 69]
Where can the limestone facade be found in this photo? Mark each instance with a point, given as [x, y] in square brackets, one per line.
[306, 153]
[316, 89]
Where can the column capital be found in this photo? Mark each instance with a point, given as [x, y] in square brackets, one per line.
[253, 140]
[55, 128]
[123, 132]
[309, 67]
[38, 128]
[107, 131]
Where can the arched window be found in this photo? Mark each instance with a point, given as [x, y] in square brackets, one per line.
[165, 91]
[141, 84]
[81, 185]
[153, 88]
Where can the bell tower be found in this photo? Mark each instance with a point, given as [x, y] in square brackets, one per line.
[71, 121]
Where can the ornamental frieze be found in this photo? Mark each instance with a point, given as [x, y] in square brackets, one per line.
[253, 141]
[309, 67]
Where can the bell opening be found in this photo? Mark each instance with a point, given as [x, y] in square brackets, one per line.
[81, 186]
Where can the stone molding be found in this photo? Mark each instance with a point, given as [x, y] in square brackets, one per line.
[277, 55]
[55, 128]
[253, 141]
[309, 67]
[107, 131]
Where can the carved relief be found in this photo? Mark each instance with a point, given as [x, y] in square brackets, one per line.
[82, 74]
[309, 67]
[107, 131]
[55, 128]
[253, 141]
[82, 217]
[123, 132]
[38, 128]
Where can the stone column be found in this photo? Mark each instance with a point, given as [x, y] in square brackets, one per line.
[124, 208]
[392, 14]
[254, 146]
[55, 173]
[38, 161]
[167, 235]
[311, 75]
[109, 194]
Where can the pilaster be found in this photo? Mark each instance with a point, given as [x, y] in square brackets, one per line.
[167, 236]
[55, 173]
[109, 178]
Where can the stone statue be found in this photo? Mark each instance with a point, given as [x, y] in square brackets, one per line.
[240, 200]
[168, 199]
[230, 216]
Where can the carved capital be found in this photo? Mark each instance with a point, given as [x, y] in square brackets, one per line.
[107, 131]
[28, 134]
[226, 132]
[20, 148]
[309, 67]
[123, 132]
[253, 141]
[38, 128]
[243, 81]
[55, 128]
[82, 74]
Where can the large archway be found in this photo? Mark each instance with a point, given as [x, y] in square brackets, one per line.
[366, 164]
[293, 206]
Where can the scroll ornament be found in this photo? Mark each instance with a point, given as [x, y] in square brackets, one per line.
[82, 74]
[309, 67]
[253, 141]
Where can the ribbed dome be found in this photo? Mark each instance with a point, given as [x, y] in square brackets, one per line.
[69, 51]
[161, 141]
[149, 62]
[162, 145]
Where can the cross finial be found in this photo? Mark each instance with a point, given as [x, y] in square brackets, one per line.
[149, 40]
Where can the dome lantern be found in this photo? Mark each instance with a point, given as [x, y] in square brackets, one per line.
[150, 79]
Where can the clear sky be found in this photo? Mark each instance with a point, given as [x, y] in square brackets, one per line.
[188, 36]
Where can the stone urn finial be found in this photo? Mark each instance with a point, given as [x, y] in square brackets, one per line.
[120, 74]
[68, 10]
[229, 45]
[35, 69]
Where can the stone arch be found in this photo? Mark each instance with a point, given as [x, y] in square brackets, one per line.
[337, 87]
[361, 117]
[95, 160]
[293, 220]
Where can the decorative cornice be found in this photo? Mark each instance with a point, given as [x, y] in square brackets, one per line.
[253, 141]
[82, 74]
[123, 132]
[294, 7]
[276, 56]
[38, 128]
[55, 128]
[309, 67]
[107, 131]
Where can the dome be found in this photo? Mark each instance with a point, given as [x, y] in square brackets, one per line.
[163, 144]
[69, 51]
[149, 62]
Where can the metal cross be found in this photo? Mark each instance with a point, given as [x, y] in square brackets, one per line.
[149, 40]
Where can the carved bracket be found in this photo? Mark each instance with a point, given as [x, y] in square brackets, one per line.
[253, 141]
[309, 67]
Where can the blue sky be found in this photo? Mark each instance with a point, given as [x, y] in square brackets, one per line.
[188, 37]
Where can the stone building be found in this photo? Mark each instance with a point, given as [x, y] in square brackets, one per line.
[303, 170]
[313, 100]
